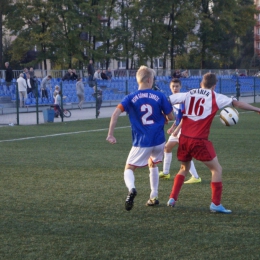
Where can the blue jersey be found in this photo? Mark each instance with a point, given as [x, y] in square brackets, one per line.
[178, 110]
[145, 109]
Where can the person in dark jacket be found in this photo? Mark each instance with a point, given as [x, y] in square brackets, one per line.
[67, 76]
[8, 74]
[91, 72]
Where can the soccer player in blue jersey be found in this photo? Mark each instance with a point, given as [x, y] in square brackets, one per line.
[147, 110]
[174, 131]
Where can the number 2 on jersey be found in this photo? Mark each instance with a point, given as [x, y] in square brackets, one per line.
[149, 110]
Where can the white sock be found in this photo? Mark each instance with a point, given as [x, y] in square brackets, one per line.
[129, 179]
[154, 182]
[193, 170]
[167, 162]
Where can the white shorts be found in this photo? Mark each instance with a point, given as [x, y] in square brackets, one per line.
[139, 156]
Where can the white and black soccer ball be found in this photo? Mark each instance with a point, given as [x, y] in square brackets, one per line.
[229, 116]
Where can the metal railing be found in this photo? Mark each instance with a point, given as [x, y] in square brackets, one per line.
[113, 91]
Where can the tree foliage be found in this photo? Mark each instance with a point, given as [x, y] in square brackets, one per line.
[187, 33]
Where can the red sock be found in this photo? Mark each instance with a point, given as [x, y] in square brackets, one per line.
[216, 188]
[177, 184]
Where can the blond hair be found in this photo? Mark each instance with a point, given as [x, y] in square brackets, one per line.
[144, 73]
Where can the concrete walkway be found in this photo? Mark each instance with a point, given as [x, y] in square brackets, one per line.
[29, 118]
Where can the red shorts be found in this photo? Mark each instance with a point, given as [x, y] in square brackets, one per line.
[200, 149]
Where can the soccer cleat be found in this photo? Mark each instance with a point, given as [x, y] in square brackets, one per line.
[164, 176]
[129, 202]
[193, 180]
[171, 202]
[152, 202]
[219, 209]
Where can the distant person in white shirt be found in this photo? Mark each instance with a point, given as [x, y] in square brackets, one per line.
[97, 75]
[22, 88]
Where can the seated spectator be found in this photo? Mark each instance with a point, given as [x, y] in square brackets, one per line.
[176, 74]
[97, 75]
[104, 75]
[73, 75]
[109, 74]
[185, 74]
[67, 76]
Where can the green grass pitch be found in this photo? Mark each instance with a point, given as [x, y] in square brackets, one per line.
[62, 197]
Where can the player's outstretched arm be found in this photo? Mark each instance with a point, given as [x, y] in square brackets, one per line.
[177, 129]
[113, 121]
[171, 129]
[245, 106]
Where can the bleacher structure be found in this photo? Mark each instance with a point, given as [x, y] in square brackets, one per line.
[117, 88]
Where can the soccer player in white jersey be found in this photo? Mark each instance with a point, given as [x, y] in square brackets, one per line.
[147, 110]
[174, 131]
[201, 105]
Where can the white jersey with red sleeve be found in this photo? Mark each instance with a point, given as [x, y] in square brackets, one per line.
[201, 105]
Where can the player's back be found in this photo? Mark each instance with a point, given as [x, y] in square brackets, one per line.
[200, 109]
[145, 113]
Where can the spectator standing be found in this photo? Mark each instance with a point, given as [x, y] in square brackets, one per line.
[56, 91]
[80, 92]
[22, 88]
[31, 72]
[44, 84]
[57, 104]
[98, 95]
[91, 72]
[30, 83]
[8, 74]
[147, 110]
[25, 71]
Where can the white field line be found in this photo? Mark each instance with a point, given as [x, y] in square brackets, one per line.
[60, 134]
[80, 132]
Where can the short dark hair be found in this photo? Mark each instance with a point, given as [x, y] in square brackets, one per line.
[209, 80]
[49, 76]
[176, 80]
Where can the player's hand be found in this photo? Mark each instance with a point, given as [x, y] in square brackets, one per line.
[111, 139]
[171, 129]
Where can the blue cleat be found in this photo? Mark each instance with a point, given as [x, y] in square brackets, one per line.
[219, 209]
[171, 202]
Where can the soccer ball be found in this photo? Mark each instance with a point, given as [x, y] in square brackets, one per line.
[229, 116]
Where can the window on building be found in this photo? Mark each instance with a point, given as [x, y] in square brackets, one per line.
[158, 63]
[258, 45]
[121, 64]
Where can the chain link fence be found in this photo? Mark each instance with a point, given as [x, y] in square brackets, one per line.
[35, 108]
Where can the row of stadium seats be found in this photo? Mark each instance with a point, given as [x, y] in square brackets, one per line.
[112, 88]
